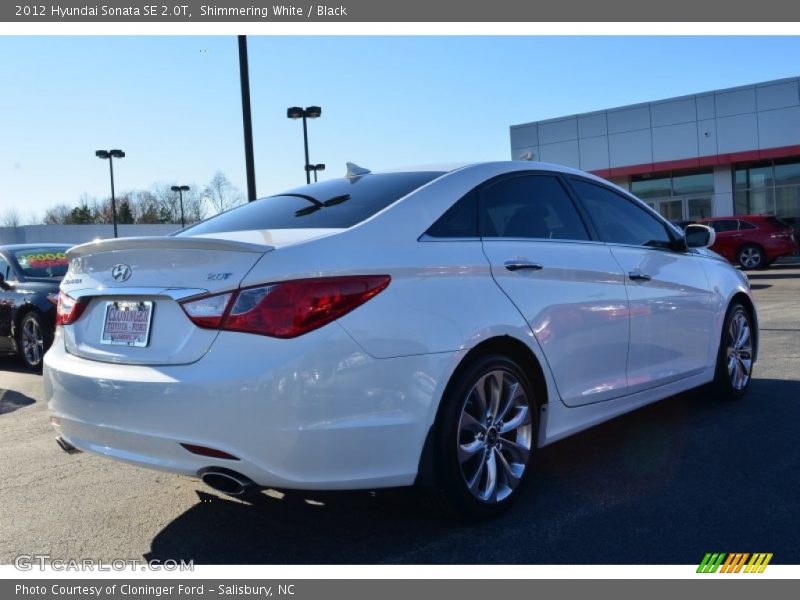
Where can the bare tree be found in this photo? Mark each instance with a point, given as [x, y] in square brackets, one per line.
[147, 207]
[221, 194]
[168, 202]
[57, 215]
[100, 208]
[11, 218]
[194, 208]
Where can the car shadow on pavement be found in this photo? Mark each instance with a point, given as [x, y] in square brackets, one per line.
[11, 401]
[661, 485]
[12, 364]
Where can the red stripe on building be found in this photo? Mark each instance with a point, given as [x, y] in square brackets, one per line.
[702, 161]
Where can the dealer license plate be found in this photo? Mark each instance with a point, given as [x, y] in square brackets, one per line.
[127, 323]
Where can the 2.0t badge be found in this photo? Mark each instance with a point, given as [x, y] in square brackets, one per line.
[121, 272]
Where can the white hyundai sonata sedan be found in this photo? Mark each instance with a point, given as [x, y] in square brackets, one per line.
[430, 327]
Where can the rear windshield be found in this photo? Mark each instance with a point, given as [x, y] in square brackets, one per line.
[338, 203]
[776, 222]
[42, 262]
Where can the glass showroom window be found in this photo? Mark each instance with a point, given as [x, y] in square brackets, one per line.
[769, 187]
[677, 195]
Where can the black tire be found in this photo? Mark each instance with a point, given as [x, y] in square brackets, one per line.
[751, 256]
[451, 492]
[32, 332]
[725, 386]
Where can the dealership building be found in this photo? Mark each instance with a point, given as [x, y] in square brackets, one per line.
[719, 153]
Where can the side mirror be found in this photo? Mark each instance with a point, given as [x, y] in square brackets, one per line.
[3, 284]
[699, 236]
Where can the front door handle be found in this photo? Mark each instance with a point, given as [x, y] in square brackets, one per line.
[639, 276]
[520, 265]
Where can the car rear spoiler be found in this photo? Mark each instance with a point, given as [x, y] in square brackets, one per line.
[166, 243]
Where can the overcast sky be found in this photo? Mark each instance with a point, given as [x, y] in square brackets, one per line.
[173, 103]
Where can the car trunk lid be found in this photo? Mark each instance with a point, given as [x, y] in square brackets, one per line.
[132, 288]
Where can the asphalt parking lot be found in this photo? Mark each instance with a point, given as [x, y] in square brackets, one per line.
[665, 484]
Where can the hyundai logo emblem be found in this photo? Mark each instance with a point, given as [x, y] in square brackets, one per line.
[121, 272]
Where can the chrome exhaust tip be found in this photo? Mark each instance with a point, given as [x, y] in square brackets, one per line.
[66, 446]
[226, 481]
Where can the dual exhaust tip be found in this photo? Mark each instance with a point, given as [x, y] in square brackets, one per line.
[223, 480]
[226, 481]
[66, 446]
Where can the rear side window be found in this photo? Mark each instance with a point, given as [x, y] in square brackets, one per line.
[619, 220]
[724, 225]
[746, 225]
[460, 220]
[338, 203]
[530, 206]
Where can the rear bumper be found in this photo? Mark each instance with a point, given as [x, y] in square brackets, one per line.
[315, 412]
[779, 248]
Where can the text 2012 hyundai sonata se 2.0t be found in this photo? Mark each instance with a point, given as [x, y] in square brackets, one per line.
[427, 327]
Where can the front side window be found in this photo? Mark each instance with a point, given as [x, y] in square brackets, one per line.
[530, 206]
[5, 270]
[619, 220]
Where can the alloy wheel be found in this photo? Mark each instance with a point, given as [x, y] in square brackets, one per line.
[739, 351]
[750, 257]
[32, 342]
[494, 436]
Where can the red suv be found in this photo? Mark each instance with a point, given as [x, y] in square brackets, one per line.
[752, 241]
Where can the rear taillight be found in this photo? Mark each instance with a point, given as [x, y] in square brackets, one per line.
[207, 311]
[68, 310]
[287, 309]
[786, 233]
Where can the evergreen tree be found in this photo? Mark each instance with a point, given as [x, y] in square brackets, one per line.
[124, 213]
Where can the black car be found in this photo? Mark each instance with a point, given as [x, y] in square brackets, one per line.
[29, 278]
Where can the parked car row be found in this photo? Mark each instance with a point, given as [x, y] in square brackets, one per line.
[428, 327]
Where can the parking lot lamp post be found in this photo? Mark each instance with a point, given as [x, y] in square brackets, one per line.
[315, 168]
[111, 155]
[180, 189]
[310, 112]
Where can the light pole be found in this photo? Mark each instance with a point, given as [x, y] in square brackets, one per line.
[180, 189]
[315, 168]
[309, 112]
[111, 155]
[247, 119]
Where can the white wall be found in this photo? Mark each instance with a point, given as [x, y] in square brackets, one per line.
[753, 117]
[76, 234]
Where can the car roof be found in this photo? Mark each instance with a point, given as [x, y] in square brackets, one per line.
[516, 164]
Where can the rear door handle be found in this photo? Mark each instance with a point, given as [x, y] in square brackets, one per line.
[639, 276]
[520, 265]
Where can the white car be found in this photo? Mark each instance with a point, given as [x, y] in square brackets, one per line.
[429, 327]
